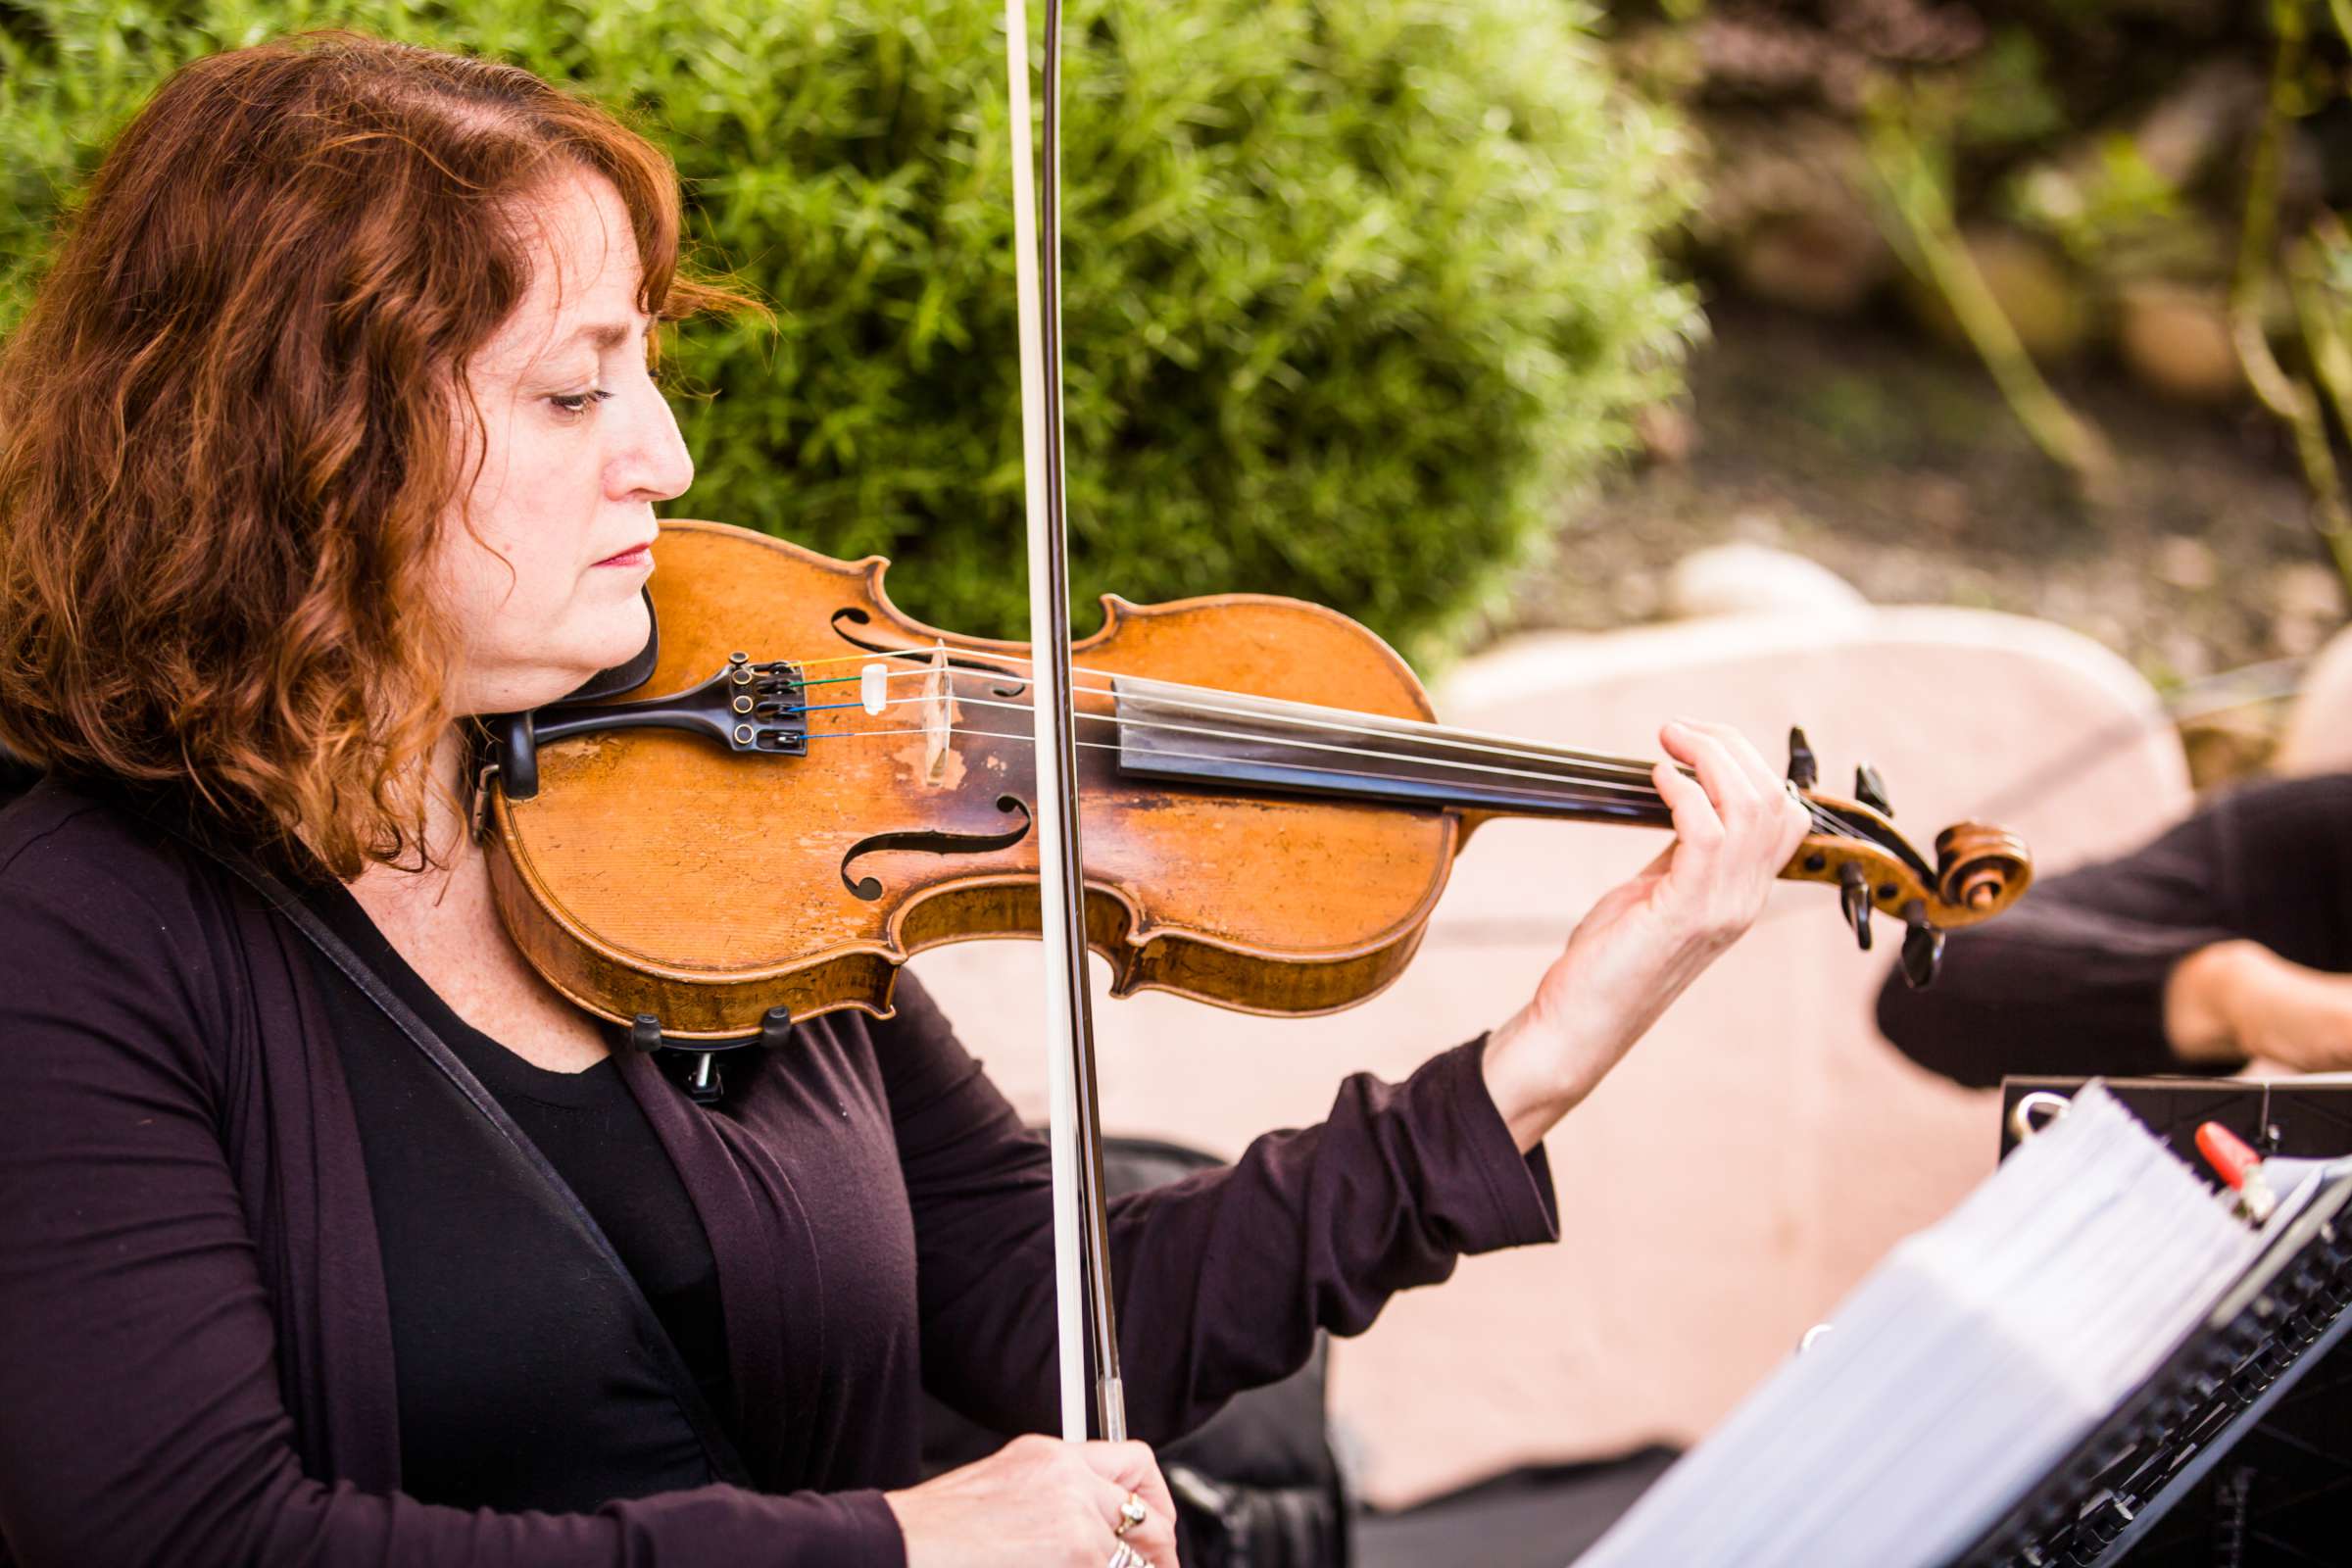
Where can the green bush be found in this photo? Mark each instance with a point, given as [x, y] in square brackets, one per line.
[1355, 288]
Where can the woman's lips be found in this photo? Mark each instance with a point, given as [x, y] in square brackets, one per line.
[634, 556]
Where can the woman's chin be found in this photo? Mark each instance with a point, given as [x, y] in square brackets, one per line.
[621, 634]
[559, 667]
[613, 646]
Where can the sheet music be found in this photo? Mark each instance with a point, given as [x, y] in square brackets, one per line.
[1974, 1357]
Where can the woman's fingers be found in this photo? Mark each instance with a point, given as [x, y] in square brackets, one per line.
[1129, 1470]
[1692, 791]
[1040, 1502]
[1698, 829]
[1749, 825]
[1710, 751]
[1760, 774]
[1783, 817]
[1748, 797]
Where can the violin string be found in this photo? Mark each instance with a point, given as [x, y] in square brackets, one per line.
[1625, 790]
[1278, 710]
[922, 659]
[1124, 722]
[1653, 798]
[1299, 714]
[1275, 721]
[1825, 822]
[1822, 821]
[1629, 773]
[1373, 753]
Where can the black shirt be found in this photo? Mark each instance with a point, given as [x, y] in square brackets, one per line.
[199, 1362]
[476, 1283]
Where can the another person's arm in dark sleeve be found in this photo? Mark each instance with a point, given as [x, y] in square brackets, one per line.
[140, 1414]
[1222, 1279]
[2177, 957]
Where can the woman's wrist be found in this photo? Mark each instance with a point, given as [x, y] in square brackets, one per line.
[1522, 1069]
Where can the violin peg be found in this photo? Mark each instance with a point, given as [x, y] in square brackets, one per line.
[1853, 900]
[1870, 790]
[1804, 769]
[1923, 947]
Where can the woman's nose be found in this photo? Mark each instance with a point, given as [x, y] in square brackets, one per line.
[653, 462]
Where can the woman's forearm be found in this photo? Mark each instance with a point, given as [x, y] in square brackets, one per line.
[2236, 1000]
[2205, 998]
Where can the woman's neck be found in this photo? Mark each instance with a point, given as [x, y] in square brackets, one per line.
[452, 862]
[443, 919]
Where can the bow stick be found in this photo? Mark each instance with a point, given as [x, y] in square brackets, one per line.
[1081, 1231]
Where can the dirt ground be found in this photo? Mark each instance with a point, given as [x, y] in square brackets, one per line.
[1895, 463]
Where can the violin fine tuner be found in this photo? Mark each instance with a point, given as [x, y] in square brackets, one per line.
[752, 708]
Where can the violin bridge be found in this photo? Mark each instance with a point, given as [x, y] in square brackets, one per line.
[939, 719]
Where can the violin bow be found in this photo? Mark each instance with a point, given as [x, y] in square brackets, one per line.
[1082, 1291]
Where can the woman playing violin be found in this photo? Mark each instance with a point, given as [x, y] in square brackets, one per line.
[332, 425]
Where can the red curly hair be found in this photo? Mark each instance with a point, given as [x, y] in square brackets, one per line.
[226, 438]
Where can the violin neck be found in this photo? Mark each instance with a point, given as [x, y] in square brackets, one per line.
[1263, 743]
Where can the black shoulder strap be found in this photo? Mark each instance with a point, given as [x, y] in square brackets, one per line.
[725, 1462]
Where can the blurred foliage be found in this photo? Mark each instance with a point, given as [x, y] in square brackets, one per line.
[2117, 130]
[1927, 235]
[1353, 289]
[2280, 251]
[2010, 102]
[2181, 161]
[2108, 213]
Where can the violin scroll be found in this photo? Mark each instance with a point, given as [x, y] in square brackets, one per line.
[1980, 867]
[1978, 871]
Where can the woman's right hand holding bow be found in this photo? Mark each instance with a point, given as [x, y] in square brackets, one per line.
[1041, 1503]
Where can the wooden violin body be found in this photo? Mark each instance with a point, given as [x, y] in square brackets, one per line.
[653, 873]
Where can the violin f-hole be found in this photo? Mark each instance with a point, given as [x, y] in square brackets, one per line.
[935, 842]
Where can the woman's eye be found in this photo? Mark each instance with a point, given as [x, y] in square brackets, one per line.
[579, 402]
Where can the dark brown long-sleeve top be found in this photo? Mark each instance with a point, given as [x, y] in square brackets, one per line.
[195, 1357]
[2071, 980]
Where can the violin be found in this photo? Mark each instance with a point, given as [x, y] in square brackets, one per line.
[1270, 809]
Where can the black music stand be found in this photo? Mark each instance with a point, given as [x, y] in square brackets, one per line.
[2250, 1413]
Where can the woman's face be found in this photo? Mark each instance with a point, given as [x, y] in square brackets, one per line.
[541, 568]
